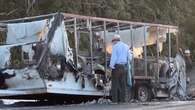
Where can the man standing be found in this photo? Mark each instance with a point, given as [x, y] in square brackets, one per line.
[118, 63]
[188, 60]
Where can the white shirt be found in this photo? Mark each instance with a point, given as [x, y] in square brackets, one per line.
[120, 54]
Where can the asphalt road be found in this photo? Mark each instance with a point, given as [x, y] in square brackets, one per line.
[163, 105]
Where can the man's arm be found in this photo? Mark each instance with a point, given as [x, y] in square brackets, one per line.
[113, 58]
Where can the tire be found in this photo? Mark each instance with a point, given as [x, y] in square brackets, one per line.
[143, 93]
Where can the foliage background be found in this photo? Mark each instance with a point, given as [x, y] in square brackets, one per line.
[175, 12]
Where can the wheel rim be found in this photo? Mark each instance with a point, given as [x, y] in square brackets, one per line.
[142, 93]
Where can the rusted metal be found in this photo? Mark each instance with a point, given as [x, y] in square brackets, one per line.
[157, 49]
[169, 43]
[104, 23]
[132, 46]
[91, 44]
[177, 41]
[68, 15]
[118, 21]
[76, 43]
[118, 28]
[143, 77]
[145, 53]
[29, 18]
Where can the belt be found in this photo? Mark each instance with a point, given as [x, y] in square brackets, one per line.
[122, 64]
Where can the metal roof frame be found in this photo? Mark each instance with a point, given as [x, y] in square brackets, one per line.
[68, 15]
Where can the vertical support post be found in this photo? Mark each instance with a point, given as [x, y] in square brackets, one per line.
[105, 58]
[132, 45]
[76, 41]
[177, 41]
[91, 44]
[22, 55]
[157, 50]
[169, 43]
[118, 27]
[145, 53]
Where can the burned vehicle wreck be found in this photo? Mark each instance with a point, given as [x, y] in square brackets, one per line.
[68, 55]
[37, 59]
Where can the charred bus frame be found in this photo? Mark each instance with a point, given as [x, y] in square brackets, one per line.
[87, 24]
[129, 25]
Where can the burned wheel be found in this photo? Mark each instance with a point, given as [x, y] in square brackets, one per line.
[143, 93]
